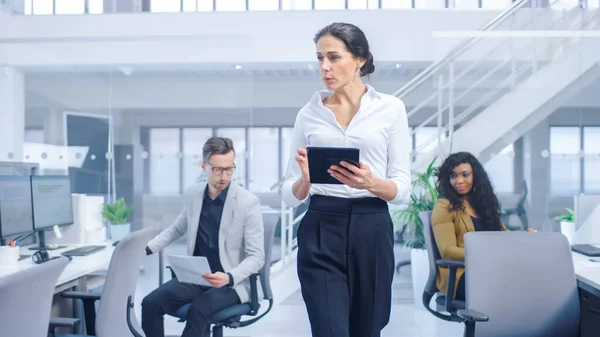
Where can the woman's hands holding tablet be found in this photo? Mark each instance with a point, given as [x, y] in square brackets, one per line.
[359, 177]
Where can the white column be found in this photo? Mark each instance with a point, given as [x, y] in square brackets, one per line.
[54, 131]
[12, 113]
[537, 174]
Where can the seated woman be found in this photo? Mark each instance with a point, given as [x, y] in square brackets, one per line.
[467, 203]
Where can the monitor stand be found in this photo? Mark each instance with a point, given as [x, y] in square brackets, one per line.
[42, 243]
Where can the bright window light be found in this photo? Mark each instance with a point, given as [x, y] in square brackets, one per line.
[263, 5]
[42, 7]
[70, 6]
[231, 5]
[162, 6]
[393, 4]
[330, 4]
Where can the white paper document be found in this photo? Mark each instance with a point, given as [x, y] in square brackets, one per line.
[189, 269]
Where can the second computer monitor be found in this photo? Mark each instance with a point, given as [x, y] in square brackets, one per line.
[52, 201]
[15, 206]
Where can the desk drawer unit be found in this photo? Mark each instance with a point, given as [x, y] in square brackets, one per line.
[589, 298]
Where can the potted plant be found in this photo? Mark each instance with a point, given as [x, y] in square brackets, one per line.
[567, 224]
[116, 216]
[423, 197]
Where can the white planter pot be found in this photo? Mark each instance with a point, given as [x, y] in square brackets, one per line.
[118, 232]
[568, 230]
[419, 266]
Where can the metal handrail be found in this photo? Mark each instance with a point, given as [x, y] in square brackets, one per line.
[458, 50]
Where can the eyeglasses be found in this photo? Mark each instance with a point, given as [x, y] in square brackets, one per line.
[219, 170]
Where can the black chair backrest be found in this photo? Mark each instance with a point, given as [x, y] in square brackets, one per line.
[265, 271]
[433, 254]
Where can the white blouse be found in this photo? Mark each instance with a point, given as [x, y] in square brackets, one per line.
[379, 129]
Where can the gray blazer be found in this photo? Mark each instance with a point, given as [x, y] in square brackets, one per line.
[241, 234]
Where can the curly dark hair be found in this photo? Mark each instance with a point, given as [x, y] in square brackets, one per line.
[481, 197]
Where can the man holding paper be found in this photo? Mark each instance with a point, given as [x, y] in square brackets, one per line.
[223, 222]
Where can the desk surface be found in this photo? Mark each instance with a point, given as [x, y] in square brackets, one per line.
[77, 268]
[586, 270]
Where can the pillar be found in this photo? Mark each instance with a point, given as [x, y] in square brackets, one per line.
[12, 113]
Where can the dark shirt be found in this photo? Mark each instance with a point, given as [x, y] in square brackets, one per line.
[480, 226]
[207, 240]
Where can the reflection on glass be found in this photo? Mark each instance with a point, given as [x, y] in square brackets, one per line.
[263, 5]
[159, 6]
[193, 141]
[330, 4]
[391, 4]
[296, 4]
[70, 6]
[501, 171]
[42, 7]
[591, 164]
[264, 166]
[164, 164]
[565, 163]
[231, 5]
[238, 136]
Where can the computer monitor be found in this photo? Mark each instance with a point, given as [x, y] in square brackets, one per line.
[52, 205]
[15, 206]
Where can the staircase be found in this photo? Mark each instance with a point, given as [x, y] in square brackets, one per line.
[494, 89]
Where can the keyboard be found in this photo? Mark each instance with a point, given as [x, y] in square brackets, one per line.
[587, 250]
[83, 251]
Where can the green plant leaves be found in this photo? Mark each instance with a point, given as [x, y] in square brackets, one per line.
[569, 217]
[423, 198]
[116, 213]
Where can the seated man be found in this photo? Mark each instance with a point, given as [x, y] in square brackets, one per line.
[223, 221]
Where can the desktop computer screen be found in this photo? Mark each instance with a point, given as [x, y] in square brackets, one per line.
[52, 204]
[15, 206]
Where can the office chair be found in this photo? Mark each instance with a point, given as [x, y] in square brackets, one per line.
[524, 282]
[518, 210]
[26, 299]
[231, 317]
[116, 300]
[446, 306]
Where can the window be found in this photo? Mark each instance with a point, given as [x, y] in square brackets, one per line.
[358, 4]
[426, 140]
[500, 170]
[565, 4]
[231, 5]
[296, 4]
[42, 7]
[467, 4]
[164, 161]
[591, 164]
[495, 4]
[330, 4]
[159, 6]
[593, 3]
[286, 143]
[392, 4]
[264, 170]
[69, 6]
[238, 136]
[263, 5]
[96, 6]
[193, 141]
[565, 164]
[431, 4]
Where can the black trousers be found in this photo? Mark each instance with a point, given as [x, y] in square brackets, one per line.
[172, 295]
[346, 266]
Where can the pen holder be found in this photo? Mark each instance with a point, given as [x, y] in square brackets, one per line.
[9, 256]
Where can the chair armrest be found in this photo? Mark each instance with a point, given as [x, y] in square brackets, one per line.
[82, 295]
[450, 263]
[472, 315]
[254, 302]
[64, 322]
[452, 266]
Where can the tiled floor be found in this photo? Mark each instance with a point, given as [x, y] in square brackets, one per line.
[289, 318]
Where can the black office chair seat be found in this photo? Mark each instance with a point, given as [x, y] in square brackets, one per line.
[456, 304]
[224, 317]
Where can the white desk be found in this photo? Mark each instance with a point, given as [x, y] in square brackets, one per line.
[79, 267]
[588, 282]
[587, 271]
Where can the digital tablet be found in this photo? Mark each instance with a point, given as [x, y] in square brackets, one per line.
[320, 160]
